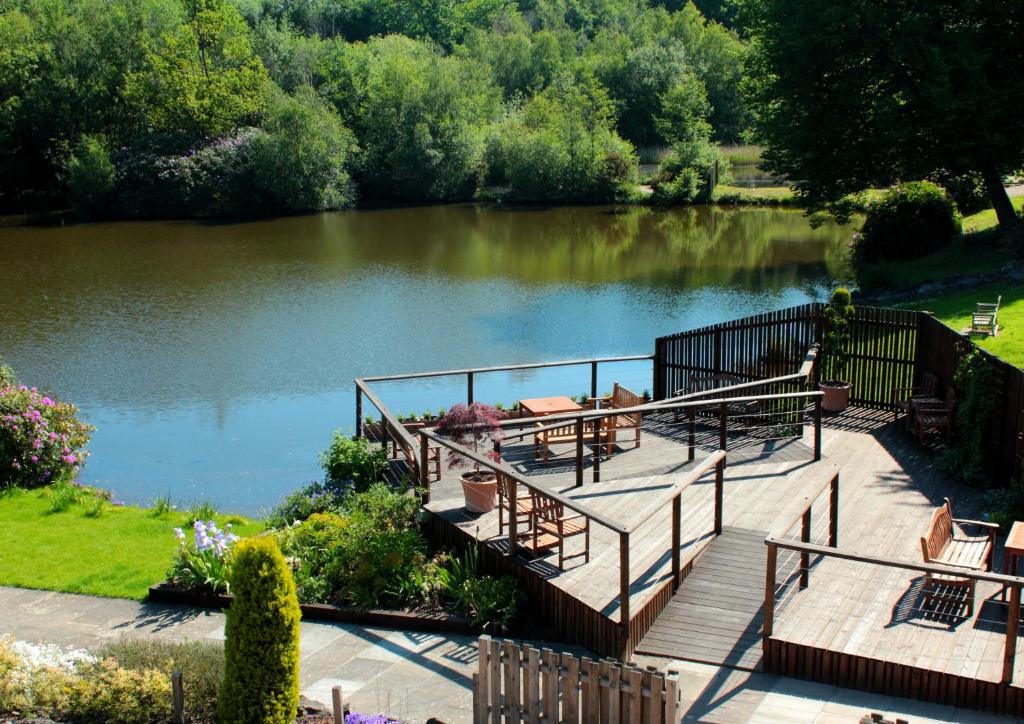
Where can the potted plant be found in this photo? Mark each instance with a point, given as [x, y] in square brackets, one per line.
[470, 426]
[835, 358]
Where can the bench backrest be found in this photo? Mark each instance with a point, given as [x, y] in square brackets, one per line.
[623, 397]
[545, 508]
[940, 532]
[569, 429]
[929, 384]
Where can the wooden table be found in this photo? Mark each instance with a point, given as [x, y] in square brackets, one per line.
[1013, 550]
[542, 406]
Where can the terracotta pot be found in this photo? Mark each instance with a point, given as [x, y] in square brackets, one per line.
[480, 490]
[836, 395]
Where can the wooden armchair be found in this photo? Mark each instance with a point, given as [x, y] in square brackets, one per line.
[521, 508]
[985, 318]
[903, 398]
[622, 398]
[551, 527]
[942, 543]
[935, 418]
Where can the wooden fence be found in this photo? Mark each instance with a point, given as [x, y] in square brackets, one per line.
[519, 682]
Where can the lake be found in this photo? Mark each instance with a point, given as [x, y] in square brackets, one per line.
[216, 358]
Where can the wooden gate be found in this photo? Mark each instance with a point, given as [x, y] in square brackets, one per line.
[518, 682]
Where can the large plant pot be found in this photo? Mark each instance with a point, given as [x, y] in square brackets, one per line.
[836, 396]
[480, 490]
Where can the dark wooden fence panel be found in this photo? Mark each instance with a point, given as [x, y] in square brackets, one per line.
[882, 353]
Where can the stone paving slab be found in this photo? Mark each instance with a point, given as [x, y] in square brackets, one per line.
[415, 675]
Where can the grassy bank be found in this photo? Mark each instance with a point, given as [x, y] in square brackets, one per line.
[119, 553]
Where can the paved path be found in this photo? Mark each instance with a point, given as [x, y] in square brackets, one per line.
[416, 676]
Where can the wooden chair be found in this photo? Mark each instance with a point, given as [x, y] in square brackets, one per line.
[985, 318]
[551, 527]
[522, 509]
[947, 546]
[566, 434]
[622, 398]
[904, 397]
[935, 418]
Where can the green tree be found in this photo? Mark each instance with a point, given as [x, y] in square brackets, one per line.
[856, 93]
[261, 638]
[203, 77]
[90, 176]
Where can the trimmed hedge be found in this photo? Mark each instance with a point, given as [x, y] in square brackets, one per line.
[909, 221]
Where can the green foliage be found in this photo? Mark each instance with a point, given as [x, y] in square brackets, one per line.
[201, 510]
[969, 458]
[835, 355]
[62, 495]
[1004, 506]
[686, 174]
[201, 664]
[7, 376]
[261, 648]
[909, 221]
[90, 177]
[206, 562]
[105, 692]
[352, 463]
[492, 602]
[162, 506]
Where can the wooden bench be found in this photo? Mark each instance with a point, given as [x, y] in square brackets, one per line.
[566, 435]
[904, 398]
[945, 545]
[620, 399]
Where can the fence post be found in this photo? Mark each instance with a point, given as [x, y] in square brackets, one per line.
[1010, 647]
[805, 557]
[597, 449]
[425, 466]
[719, 495]
[469, 388]
[593, 382]
[722, 441]
[579, 452]
[691, 417]
[384, 433]
[624, 583]
[513, 533]
[339, 708]
[359, 412]
[817, 428]
[833, 511]
[677, 520]
[177, 697]
[769, 594]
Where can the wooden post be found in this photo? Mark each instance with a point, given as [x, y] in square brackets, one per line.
[482, 690]
[513, 533]
[817, 428]
[624, 583]
[769, 592]
[691, 417]
[722, 441]
[359, 412]
[339, 708]
[593, 383]
[833, 511]
[719, 495]
[677, 519]
[384, 432]
[177, 697]
[805, 557]
[597, 450]
[579, 453]
[1010, 647]
[425, 467]
[469, 388]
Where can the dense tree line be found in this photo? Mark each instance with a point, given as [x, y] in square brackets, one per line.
[214, 107]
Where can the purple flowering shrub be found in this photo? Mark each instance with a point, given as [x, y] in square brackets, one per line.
[204, 563]
[41, 439]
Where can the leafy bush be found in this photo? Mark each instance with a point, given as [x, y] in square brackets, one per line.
[835, 341]
[201, 664]
[909, 221]
[7, 376]
[1004, 506]
[967, 191]
[351, 463]
[90, 177]
[41, 439]
[261, 648]
[685, 175]
[204, 564]
[492, 602]
[968, 457]
[301, 504]
[106, 692]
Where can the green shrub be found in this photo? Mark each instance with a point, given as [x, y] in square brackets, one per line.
[90, 172]
[685, 175]
[204, 563]
[909, 221]
[201, 664]
[303, 503]
[7, 376]
[1004, 506]
[968, 457]
[492, 602]
[352, 465]
[261, 649]
[62, 495]
[835, 356]
[967, 191]
[105, 692]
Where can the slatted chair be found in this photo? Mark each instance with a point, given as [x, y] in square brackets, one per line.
[623, 398]
[522, 509]
[552, 526]
[985, 319]
[935, 419]
[904, 398]
[945, 544]
[566, 435]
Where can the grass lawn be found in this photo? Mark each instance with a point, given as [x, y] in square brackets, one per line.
[955, 310]
[120, 553]
[745, 195]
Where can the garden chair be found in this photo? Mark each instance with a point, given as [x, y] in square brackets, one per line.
[552, 526]
[521, 508]
[904, 398]
[985, 318]
[622, 398]
[945, 544]
[935, 419]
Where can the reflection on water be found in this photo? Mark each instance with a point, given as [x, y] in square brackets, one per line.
[216, 358]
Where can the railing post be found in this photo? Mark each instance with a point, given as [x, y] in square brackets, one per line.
[359, 412]
[513, 533]
[691, 417]
[677, 535]
[469, 388]
[833, 512]
[719, 495]
[817, 428]
[597, 450]
[425, 467]
[579, 452]
[1010, 647]
[805, 557]
[384, 432]
[624, 582]
[593, 382]
[722, 442]
[769, 593]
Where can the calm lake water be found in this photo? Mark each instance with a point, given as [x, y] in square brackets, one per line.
[215, 359]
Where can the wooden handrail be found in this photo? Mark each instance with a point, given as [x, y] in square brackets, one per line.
[505, 368]
[399, 429]
[711, 461]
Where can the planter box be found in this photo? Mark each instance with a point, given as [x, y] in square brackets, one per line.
[415, 620]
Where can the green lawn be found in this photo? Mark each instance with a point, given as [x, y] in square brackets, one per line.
[955, 310]
[119, 554]
[725, 194]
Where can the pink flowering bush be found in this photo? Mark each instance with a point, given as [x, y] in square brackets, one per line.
[41, 439]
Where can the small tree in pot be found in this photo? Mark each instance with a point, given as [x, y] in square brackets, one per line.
[834, 352]
[471, 426]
